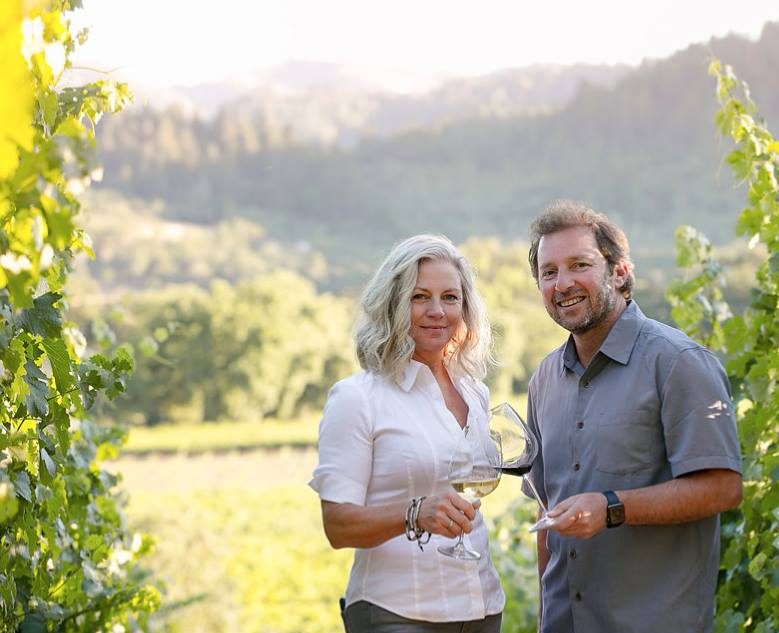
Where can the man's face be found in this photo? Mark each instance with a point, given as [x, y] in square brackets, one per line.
[578, 290]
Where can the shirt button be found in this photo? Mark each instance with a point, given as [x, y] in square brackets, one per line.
[578, 597]
[577, 466]
[580, 425]
[585, 383]
[572, 554]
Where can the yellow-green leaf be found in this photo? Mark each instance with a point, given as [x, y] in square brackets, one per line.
[16, 97]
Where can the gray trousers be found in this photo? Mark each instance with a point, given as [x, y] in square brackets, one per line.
[364, 617]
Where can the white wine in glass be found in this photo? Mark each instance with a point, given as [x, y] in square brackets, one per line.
[481, 483]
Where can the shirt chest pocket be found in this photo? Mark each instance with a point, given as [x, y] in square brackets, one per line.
[629, 441]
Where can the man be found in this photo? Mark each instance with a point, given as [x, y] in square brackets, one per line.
[639, 452]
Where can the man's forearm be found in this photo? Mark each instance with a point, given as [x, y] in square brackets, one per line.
[687, 498]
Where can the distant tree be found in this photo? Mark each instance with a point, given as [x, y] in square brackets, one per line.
[267, 347]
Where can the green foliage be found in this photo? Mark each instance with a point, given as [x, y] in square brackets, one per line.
[268, 347]
[697, 303]
[514, 556]
[67, 561]
[748, 594]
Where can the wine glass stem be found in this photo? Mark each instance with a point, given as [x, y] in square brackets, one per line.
[535, 493]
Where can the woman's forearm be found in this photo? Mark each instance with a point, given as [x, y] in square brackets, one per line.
[350, 525]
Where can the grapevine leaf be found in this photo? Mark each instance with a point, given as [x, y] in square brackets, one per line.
[36, 401]
[43, 318]
[48, 462]
[33, 623]
[49, 107]
[22, 486]
[57, 352]
[19, 288]
[9, 505]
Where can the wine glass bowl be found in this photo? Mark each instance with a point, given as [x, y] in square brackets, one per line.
[520, 448]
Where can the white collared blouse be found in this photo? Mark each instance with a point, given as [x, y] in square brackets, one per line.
[382, 443]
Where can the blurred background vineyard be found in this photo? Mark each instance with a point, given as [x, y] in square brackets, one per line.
[232, 241]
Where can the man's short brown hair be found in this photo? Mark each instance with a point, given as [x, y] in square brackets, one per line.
[566, 214]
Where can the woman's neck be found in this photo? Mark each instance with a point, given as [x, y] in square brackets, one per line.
[434, 362]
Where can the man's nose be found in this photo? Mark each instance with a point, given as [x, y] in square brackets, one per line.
[563, 282]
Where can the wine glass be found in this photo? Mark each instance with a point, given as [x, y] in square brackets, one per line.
[519, 449]
[474, 472]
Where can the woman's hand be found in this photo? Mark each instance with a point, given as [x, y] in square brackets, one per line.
[447, 514]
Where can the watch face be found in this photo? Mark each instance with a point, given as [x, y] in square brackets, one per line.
[616, 515]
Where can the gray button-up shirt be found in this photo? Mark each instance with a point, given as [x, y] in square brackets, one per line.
[652, 405]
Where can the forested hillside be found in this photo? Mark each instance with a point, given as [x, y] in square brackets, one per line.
[642, 150]
[230, 256]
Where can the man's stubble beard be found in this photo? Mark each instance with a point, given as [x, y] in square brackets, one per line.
[596, 312]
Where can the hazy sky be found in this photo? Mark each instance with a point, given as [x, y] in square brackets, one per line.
[191, 41]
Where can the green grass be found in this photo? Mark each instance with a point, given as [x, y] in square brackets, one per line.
[240, 546]
[222, 436]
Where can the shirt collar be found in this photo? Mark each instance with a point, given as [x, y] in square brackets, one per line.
[619, 342]
[412, 372]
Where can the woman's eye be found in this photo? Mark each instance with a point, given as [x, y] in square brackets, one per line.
[418, 297]
[451, 298]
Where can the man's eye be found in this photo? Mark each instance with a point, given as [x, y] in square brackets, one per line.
[547, 274]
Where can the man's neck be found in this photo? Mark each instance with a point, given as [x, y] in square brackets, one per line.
[588, 343]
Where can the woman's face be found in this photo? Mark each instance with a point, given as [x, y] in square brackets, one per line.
[436, 309]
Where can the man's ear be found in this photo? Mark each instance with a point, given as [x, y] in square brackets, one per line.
[621, 272]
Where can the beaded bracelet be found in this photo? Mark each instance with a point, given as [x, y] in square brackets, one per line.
[413, 531]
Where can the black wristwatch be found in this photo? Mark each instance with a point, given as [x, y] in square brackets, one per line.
[615, 510]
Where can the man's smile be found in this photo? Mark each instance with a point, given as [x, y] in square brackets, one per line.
[567, 303]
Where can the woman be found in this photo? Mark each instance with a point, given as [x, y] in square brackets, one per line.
[385, 441]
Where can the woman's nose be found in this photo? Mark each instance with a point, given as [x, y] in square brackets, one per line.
[435, 308]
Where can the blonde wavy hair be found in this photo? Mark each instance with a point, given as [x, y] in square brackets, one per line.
[382, 339]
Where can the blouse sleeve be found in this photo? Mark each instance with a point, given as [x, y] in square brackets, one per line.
[345, 446]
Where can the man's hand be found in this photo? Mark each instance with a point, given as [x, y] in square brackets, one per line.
[580, 516]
